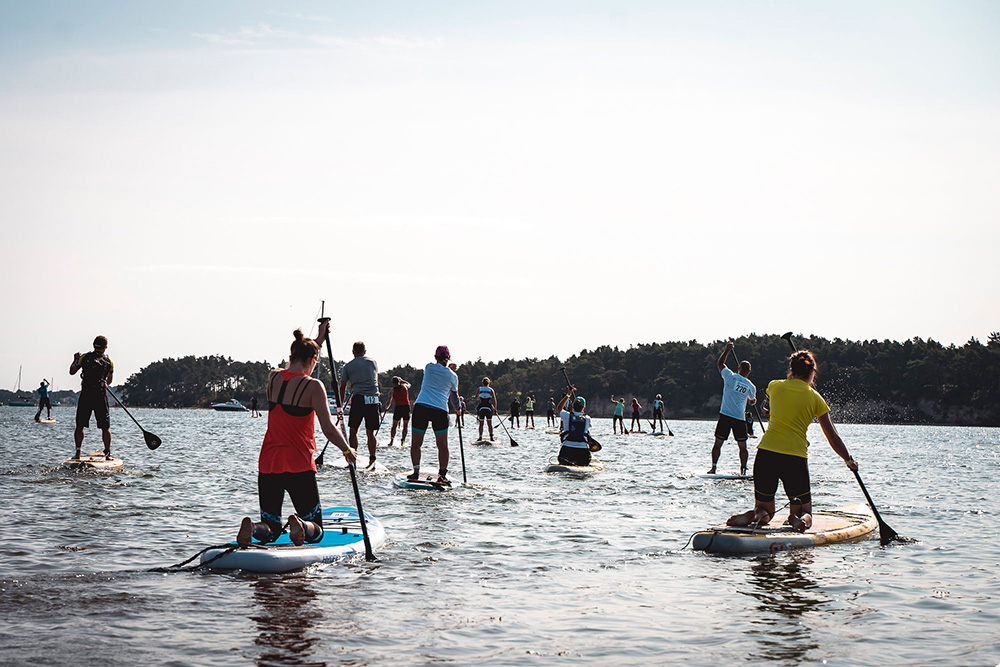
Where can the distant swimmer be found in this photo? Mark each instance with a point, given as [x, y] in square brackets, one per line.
[783, 449]
[487, 406]
[658, 412]
[400, 398]
[362, 374]
[737, 392]
[287, 456]
[575, 450]
[550, 412]
[515, 413]
[43, 400]
[98, 373]
[438, 390]
[619, 416]
[636, 424]
[529, 411]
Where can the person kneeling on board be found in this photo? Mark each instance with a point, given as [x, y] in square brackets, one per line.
[781, 454]
[439, 386]
[575, 436]
[286, 461]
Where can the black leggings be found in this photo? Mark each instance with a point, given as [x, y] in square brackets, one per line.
[301, 487]
[574, 456]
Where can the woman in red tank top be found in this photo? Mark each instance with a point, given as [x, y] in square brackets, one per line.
[286, 457]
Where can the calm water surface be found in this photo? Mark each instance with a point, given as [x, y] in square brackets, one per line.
[521, 568]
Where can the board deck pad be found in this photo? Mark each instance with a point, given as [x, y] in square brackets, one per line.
[425, 482]
[849, 523]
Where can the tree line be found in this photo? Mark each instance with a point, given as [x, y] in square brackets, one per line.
[913, 381]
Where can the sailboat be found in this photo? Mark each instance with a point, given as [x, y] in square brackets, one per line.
[18, 401]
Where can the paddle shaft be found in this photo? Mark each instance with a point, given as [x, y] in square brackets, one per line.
[152, 441]
[885, 533]
[461, 451]
[369, 555]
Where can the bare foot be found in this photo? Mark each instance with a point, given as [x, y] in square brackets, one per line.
[296, 530]
[800, 524]
[744, 519]
[246, 532]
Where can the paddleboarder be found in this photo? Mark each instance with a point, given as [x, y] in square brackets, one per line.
[783, 450]
[550, 412]
[737, 392]
[619, 416]
[43, 400]
[361, 373]
[438, 389]
[487, 406]
[529, 412]
[98, 373]
[400, 398]
[658, 412]
[515, 413]
[254, 412]
[636, 424]
[575, 450]
[286, 462]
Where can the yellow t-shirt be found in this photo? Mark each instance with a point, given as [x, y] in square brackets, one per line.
[794, 403]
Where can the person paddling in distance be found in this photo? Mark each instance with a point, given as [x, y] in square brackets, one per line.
[550, 412]
[362, 374]
[658, 412]
[286, 462]
[515, 413]
[619, 416]
[487, 406]
[529, 412]
[636, 424]
[98, 373]
[400, 397]
[43, 400]
[438, 389]
[737, 392]
[783, 449]
[575, 450]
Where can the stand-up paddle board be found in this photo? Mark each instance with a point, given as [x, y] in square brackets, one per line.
[657, 433]
[94, 461]
[342, 537]
[424, 482]
[850, 523]
[553, 431]
[46, 421]
[596, 465]
[486, 441]
[725, 476]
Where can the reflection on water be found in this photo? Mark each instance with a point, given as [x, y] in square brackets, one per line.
[785, 596]
[286, 617]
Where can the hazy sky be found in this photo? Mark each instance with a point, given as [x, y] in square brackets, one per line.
[513, 179]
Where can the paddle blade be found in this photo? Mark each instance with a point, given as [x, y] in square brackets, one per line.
[152, 441]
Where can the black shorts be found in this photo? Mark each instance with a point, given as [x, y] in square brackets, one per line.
[529, 413]
[363, 411]
[657, 413]
[793, 471]
[93, 402]
[574, 456]
[424, 415]
[635, 414]
[44, 402]
[550, 413]
[301, 488]
[727, 424]
[485, 413]
[401, 412]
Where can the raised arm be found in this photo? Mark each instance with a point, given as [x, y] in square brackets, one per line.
[725, 353]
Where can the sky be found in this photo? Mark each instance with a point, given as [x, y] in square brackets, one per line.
[512, 179]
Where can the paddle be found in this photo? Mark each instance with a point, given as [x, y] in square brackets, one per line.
[885, 533]
[759, 420]
[461, 451]
[594, 445]
[152, 441]
[369, 556]
[513, 443]
[652, 427]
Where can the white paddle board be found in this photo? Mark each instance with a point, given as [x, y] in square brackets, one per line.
[725, 476]
[596, 465]
[425, 483]
[94, 461]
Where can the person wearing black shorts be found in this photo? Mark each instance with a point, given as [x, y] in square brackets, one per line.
[737, 393]
[487, 406]
[98, 373]
[362, 374]
[550, 412]
[438, 390]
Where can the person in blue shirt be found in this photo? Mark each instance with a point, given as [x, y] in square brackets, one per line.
[43, 400]
[438, 389]
[737, 392]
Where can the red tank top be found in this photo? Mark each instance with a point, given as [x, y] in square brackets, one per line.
[400, 396]
[290, 441]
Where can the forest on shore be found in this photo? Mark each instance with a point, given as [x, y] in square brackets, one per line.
[913, 381]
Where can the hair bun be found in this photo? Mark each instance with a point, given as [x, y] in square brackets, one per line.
[298, 334]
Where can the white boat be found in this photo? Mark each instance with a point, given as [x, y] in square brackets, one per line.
[232, 405]
[19, 401]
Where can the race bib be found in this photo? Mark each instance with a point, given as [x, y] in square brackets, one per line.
[372, 400]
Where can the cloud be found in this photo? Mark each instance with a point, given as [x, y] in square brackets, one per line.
[263, 34]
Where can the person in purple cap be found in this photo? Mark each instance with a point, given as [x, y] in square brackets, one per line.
[439, 386]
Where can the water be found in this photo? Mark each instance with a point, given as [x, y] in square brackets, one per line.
[522, 568]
